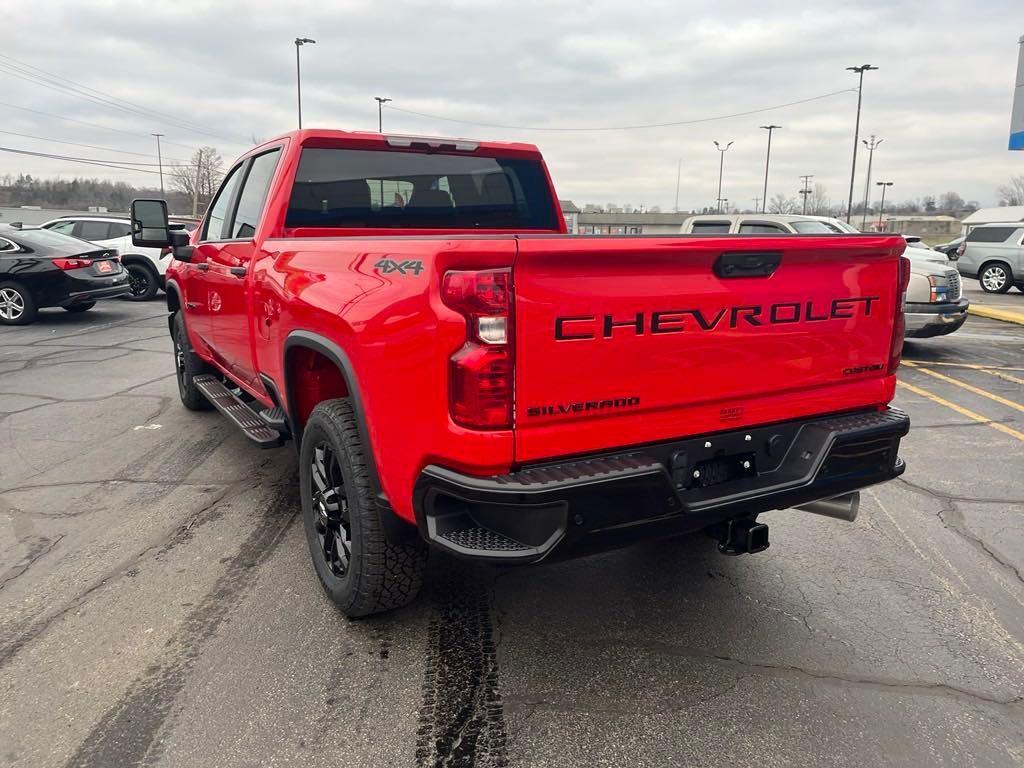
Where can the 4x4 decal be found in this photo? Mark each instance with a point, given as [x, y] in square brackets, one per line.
[387, 266]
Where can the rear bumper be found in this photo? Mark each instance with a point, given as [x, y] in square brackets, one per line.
[95, 294]
[926, 320]
[608, 499]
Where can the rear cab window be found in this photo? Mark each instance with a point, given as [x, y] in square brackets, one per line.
[92, 230]
[710, 227]
[357, 188]
[761, 228]
[814, 228]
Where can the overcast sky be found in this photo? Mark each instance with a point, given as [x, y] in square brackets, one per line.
[941, 98]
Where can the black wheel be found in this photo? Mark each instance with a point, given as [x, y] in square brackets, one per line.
[143, 282]
[17, 307]
[76, 308]
[188, 365]
[995, 277]
[359, 568]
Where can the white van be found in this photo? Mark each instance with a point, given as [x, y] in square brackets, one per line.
[763, 224]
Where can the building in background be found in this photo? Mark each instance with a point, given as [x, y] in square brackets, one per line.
[923, 226]
[650, 223]
[1004, 214]
[571, 215]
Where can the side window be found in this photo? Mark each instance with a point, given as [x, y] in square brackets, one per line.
[706, 227]
[213, 229]
[64, 227]
[117, 229]
[990, 234]
[7, 245]
[254, 194]
[92, 230]
[754, 228]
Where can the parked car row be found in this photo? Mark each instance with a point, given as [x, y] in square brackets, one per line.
[934, 304]
[40, 268]
[994, 254]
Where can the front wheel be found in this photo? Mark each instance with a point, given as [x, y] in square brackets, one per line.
[995, 278]
[360, 569]
[17, 307]
[188, 365]
[76, 308]
[142, 282]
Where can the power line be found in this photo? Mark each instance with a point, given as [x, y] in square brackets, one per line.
[91, 125]
[624, 127]
[123, 165]
[70, 87]
[77, 144]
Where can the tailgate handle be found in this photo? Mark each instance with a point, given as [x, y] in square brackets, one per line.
[747, 264]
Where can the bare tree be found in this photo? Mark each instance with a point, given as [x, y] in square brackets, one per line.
[206, 168]
[818, 202]
[1012, 193]
[951, 202]
[782, 204]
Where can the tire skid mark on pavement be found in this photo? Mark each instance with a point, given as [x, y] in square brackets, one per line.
[127, 733]
[461, 720]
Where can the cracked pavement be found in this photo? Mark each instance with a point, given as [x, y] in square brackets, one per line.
[157, 606]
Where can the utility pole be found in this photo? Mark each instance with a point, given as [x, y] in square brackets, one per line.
[806, 189]
[867, 182]
[767, 159]
[721, 166]
[380, 113]
[159, 161]
[723, 200]
[195, 187]
[299, 42]
[881, 207]
[856, 133]
[679, 171]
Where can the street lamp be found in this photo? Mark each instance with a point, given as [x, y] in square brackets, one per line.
[871, 145]
[299, 42]
[856, 133]
[721, 166]
[380, 112]
[881, 206]
[159, 161]
[767, 159]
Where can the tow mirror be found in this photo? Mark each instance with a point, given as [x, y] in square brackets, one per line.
[149, 224]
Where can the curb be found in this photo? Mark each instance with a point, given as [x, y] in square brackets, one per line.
[1007, 316]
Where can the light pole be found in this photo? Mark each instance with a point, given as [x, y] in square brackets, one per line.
[767, 159]
[299, 42]
[721, 166]
[380, 112]
[856, 133]
[806, 189]
[867, 182]
[159, 161]
[723, 200]
[881, 206]
[679, 171]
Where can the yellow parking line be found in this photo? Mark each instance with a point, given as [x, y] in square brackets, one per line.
[972, 366]
[963, 411]
[970, 388]
[1002, 375]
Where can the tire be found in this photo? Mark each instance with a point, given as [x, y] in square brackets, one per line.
[188, 365]
[995, 277]
[142, 280]
[17, 307]
[360, 569]
[78, 308]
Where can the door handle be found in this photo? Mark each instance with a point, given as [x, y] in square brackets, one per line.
[237, 271]
[203, 266]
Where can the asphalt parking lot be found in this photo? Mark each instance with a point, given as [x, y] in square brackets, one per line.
[157, 605]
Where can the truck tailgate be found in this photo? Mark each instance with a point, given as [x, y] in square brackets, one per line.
[624, 341]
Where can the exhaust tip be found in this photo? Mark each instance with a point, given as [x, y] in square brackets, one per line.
[843, 507]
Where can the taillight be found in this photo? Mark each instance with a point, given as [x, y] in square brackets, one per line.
[899, 326]
[481, 371]
[71, 263]
[960, 249]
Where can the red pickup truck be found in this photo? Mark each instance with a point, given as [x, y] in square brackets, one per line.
[457, 372]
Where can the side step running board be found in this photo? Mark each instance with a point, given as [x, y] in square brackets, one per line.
[237, 411]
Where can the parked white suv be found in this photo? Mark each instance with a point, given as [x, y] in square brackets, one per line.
[145, 266]
[762, 224]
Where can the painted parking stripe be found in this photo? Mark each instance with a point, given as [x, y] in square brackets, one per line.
[970, 388]
[963, 411]
[971, 366]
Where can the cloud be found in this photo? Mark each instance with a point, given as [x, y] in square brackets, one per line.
[940, 99]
